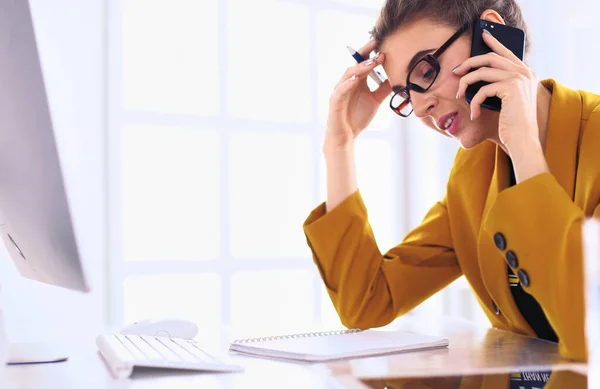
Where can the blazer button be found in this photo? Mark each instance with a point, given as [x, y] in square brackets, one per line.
[523, 277]
[496, 307]
[500, 241]
[512, 260]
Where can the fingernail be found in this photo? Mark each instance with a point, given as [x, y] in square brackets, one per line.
[353, 78]
[369, 62]
[485, 31]
[471, 116]
[453, 70]
[456, 95]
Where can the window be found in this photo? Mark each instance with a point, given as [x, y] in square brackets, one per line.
[217, 111]
[216, 121]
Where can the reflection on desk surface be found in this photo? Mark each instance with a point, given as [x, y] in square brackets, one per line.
[518, 380]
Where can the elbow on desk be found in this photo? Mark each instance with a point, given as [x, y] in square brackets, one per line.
[370, 305]
[370, 314]
[362, 322]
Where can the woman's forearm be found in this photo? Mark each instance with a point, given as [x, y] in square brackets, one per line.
[528, 159]
[341, 173]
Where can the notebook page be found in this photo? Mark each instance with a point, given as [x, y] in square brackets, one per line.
[350, 344]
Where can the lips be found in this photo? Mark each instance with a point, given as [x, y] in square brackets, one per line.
[443, 123]
[449, 123]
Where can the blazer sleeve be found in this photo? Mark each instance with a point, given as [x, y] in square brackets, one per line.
[370, 289]
[542, 226]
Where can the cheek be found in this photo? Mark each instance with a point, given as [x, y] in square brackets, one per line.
[452, 86]
[449, 83]
[428, 121]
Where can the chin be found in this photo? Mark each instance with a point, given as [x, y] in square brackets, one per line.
[468, 141]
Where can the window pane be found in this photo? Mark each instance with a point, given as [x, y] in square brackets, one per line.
[279, 301]
[171, 205]
[269, 60]
[191, 297]
[374, 170]
[271, 191]
[350, 30]
[329, 316]
[377, 186]
[170, 56]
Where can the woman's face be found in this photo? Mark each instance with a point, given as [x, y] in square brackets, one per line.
[439, 103]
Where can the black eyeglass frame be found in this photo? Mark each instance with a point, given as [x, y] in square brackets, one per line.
[431, 59]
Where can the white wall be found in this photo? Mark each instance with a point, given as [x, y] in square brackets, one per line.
[71, 39]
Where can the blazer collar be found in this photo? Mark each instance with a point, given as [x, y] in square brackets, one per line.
[561, 152]
[564, 124]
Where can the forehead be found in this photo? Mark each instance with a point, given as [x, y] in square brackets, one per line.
[400, 47]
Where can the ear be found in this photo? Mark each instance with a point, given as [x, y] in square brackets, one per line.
[492, 16]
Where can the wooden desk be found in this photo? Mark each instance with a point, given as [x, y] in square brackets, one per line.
[472, 350]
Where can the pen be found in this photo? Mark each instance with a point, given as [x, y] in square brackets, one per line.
[375, 75]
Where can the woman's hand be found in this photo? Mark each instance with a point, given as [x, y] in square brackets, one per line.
[513, 82]
[352, 105]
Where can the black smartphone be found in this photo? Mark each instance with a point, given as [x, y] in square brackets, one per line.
[512, 38]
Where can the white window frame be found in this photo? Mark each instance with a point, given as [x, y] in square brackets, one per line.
[225, 265]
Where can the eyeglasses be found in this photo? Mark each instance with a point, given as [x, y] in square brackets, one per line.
[421, 76]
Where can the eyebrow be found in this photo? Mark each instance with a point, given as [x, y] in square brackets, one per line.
[412, 63]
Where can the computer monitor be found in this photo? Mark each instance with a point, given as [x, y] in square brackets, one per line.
[35, 219]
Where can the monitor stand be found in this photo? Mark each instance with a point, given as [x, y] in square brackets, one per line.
[32, 353]
[26, 353]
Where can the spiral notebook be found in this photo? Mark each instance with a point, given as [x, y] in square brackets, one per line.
[332, 345]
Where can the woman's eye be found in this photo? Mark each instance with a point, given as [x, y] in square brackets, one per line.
[428, 74]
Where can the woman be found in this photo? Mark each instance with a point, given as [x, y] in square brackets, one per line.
[521, 185]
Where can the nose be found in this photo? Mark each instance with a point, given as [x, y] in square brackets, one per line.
[423, 103]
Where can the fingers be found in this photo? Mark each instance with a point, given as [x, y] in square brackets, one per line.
[498, 48]
[366, 50]
[482, 74]
[355, 79]
[362, 70]
[500, 58]
[491, 90]
[383, 91]
[490, 60]
[342, 93]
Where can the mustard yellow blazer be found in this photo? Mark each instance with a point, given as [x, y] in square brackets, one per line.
[539, 220]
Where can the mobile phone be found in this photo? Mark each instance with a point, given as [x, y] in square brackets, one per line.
[512, 38]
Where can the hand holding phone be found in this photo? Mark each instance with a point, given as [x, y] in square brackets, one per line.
[511, 37]
[505, 77]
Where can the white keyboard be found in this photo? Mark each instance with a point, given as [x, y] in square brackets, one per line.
[124, 352]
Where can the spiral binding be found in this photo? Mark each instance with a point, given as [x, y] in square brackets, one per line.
[296, 336]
